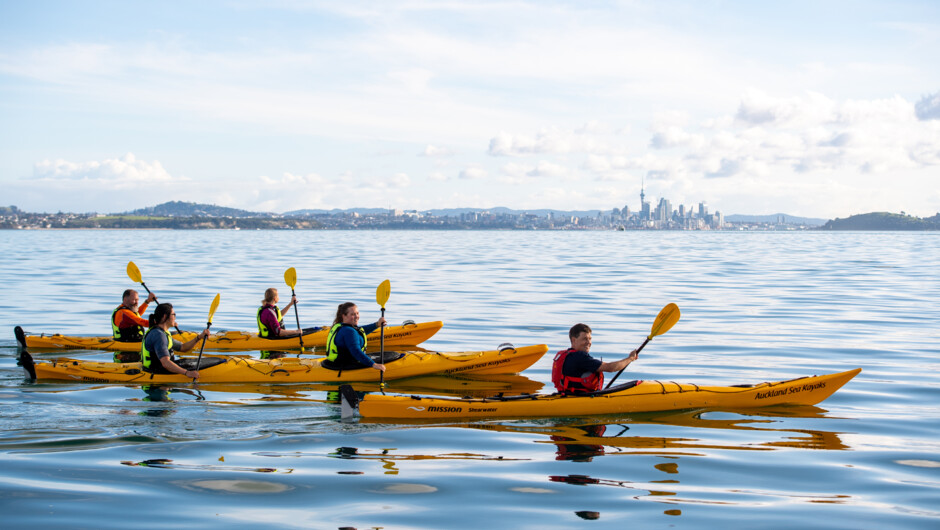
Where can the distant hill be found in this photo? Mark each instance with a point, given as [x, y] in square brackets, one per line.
[775, 218]
[191, 209]
[884, 221]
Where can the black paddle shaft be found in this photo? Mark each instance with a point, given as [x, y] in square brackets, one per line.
[297, 316]
[645, 342]
[177, 328]
[203, 347]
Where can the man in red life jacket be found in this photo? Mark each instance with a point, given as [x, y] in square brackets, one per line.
[575, 371]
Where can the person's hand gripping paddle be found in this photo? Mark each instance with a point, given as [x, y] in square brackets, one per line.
[290, 278]
[663, 323]
[212, 308]
[134, 274]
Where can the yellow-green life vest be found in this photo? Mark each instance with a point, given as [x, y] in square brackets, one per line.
[131, 334]
[146, 358]
[332, 351]
[263, 330]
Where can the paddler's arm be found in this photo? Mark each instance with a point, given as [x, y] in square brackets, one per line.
[293, 300]
[127, 314]
[177, 369]
[369, 328]
[616, 366]
[349, 338]
[142, 308]
[188, 345]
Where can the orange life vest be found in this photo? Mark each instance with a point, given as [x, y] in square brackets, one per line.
[567, 384]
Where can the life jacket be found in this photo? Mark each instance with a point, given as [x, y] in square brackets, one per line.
[263, 330]
[147, 358]
[133, 333]
[567, 384]
[334, 352]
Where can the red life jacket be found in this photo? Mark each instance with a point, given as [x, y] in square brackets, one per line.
[567, 384]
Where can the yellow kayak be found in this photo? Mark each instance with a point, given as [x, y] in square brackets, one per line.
[407, 334]
[460, 385]
[239, 369]
[636, 396]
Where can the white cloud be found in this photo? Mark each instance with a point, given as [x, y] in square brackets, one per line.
[472, 173]
[122, 172]
[549, 169]
[928, 108]
[434, 151]
[398, 180]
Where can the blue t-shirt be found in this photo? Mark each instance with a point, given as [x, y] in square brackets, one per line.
[579, 363]
[157, 344]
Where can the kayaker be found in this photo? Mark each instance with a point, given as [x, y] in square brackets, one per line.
[156, 350]
[271, 319]
[127, 321]
[346, 342]
[575, 371]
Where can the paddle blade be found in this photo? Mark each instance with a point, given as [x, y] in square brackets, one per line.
[213, 307]
[665, 320]
[20, 337]
[290, 277]
[133, 272]
[383, 292]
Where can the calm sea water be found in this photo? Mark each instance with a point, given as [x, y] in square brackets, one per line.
[755, 307]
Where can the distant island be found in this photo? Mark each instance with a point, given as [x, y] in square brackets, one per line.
[180, 215]
[883, 221]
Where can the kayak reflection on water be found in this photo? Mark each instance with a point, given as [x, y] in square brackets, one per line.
[161, 393]
[580, 451]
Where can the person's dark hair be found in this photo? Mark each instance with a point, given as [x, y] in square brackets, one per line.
[160, 314]
[341, 310]
[578, 329]
[127, 292]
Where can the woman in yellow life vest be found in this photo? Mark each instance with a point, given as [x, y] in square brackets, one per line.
[156, 351]
[271, 319]
[346, 342]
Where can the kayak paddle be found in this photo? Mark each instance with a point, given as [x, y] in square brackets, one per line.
[212, 308]
[134, 274]
[663, 323]
[381, 296]
[290, 278]
[25, 359]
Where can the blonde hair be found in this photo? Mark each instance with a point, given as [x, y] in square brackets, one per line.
[269, 295]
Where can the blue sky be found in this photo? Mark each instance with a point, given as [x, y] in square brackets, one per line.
[817, 108]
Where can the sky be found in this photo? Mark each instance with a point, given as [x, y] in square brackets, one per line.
[822, 108]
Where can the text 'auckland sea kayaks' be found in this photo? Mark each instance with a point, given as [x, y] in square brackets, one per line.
[406, 334]
[635, 396]
[238, 369]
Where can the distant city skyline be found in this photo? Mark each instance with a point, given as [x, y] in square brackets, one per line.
[756, 107]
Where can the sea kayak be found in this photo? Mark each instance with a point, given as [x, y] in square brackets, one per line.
[239, 369]
[635, 396]
[407, 334]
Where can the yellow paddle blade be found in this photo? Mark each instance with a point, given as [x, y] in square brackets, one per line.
[290, 277]
[214, 306]
[383, 292]
[665, 320]
[133, 272]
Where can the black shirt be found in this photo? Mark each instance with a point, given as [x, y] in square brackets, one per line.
[579, 363]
